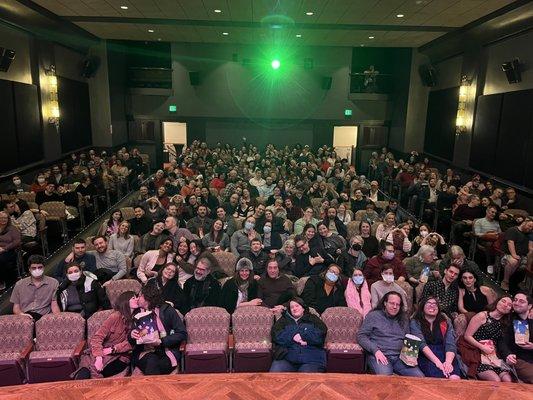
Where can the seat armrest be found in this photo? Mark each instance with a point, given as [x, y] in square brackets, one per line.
[231, 341]
[26, 352]
[79, 348]
[182, 345]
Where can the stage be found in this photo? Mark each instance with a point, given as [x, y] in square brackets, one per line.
[264, 386]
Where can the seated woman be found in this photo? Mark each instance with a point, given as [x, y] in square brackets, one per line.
[433, 239]
[343, 214]
[298, 338]
[357, 294]
[271, 240]
[286, 257]
[217, 239]
[325, 290]
[80, 293]
[241, 290]
[312, 237]
[109, 348]
[381, 335]
[437, 350]
[386, 227]
[370, 243]
[399, 237]
[122, 240]
[167, 283]
[333, 243]
[160, 355]
[421, 267]
[473, 298]
[110, 225]
[154, 260]
[308, 218]
[353, 257]
[483, 332]
[385, 285]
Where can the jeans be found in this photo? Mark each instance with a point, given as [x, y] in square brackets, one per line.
[285, 366]
[395, 365]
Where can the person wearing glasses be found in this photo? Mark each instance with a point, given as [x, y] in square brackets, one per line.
[437, 357]
[381, 336]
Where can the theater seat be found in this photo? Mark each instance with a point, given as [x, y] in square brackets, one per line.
[226, 261]
[16, 333]
[116, 288]
[252, 339]
[343, 352]
[206, 350]
[59, 343]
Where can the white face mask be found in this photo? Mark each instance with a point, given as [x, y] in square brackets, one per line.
[73, 277]
[424, 233]
[388, 278]
[37, 273]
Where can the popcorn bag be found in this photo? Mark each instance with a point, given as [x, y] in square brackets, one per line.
[410, 349]
[146, 324]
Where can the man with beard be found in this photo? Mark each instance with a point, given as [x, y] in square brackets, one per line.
[202, 289]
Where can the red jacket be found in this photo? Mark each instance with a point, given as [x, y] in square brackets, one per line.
[372, 269]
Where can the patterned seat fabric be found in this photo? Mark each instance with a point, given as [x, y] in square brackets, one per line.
[410, 294]
[51, 354]
[58, 332]
[227, 262]
[300, 285]
[27, 196]
[55, 210]
[352, 229]
[459, 325]
[207, 326]
[343, 324]
[127, 213]
[251, 327]
[206, 346]
[343, 346]
[116, 288]
[95, 322]
[16, 332]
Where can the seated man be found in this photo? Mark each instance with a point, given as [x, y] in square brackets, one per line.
[202, 289]
[49, 194]
[333, 223]
[176, 233]
[464, 217]
[516, 353]
[110, 264]
[518, 244]
[446, 290]
[140, 224]
[381, 336]
[80, 256]
[372, 269]
[275, 288]
[36, 294]
[310, 262]
[201, 224]
[257, 256]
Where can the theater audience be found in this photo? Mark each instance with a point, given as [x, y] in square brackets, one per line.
[517, 246]
[445, 290]
[110, 264]
[370, 242]
[140, 224]
[385, 285]
[217, 239]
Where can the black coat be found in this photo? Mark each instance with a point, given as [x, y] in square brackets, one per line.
[202, 293]
[92, 301]
[315, 296]
[229, 294]
[339, 225]
[172, 292]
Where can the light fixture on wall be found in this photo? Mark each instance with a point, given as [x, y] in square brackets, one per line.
[53, 103]
[462, 119]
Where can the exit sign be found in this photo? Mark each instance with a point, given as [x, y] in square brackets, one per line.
[347, 112]
[172, 108]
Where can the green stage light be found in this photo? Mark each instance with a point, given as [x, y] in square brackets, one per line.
[275, 64]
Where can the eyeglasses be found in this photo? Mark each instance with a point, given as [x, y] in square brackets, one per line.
[300, 246]
[393, 304]
[432, 304]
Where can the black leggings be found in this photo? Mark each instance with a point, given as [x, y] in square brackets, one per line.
[155, 364]
[113, 368]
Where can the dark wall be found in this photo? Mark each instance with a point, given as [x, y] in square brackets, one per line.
[21, 126]
[502, 138]
[440, 123]
[75, 121]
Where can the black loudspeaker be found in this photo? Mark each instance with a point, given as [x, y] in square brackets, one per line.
[428, 75]
[6, 58]
[326, 82]
[194, 78]
[512, 71]
[90, 67]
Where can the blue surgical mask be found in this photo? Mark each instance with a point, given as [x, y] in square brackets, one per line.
[332, 277]
[358, 280]
[267, 229]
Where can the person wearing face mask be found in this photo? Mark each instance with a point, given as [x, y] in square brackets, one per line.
[241, 239]
[353, 257]
[271, 240]
[357, 294]
[19, 186]
[325, 290]
[154, 210]
[372, 269]
[386, 285]
[35, 295]
[39, 185]
[426, 237]
[81, 293]
[202, 289]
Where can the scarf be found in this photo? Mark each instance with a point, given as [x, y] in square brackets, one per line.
[354, 298]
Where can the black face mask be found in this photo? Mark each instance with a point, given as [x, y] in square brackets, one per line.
[356, 247]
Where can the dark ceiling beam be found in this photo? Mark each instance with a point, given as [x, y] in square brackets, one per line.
[245, 24]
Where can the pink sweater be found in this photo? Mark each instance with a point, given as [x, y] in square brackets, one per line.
[354, 298]
[148, 261]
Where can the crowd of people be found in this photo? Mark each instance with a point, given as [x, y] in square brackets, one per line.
[308, 233]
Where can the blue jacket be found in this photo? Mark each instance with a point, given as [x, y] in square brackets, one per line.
[311, 329]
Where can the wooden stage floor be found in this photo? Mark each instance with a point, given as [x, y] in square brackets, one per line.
[264, 386]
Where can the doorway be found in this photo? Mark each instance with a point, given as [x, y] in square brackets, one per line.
[345, 141]
[174, 139]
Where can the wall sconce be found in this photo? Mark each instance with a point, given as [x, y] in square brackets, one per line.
[53, 104]
[465, 90]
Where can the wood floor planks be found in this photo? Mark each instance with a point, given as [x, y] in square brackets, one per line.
[268, 387]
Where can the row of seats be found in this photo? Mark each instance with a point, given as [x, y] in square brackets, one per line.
[212, 344]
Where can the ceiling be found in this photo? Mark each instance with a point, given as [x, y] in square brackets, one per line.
[333, 23]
